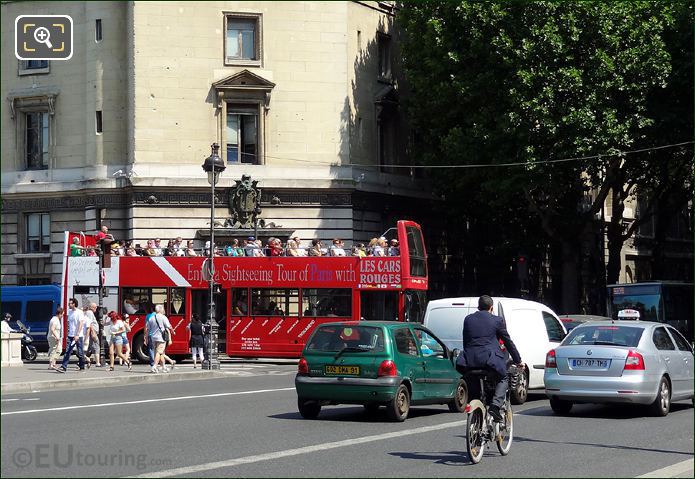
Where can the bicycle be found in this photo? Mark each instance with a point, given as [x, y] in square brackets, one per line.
[481, 428]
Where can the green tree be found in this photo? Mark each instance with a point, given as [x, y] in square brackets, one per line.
[531, 82]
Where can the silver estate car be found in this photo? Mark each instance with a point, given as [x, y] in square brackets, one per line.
[634, 362]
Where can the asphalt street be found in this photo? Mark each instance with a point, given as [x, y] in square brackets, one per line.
[248, 426]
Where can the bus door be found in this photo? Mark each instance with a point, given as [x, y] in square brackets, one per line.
[200, 305]
[414, 306]
[379, 305]
[175, 309]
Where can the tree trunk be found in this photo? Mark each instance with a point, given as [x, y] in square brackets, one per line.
[614, 233]
[570, 278]
[659, 242]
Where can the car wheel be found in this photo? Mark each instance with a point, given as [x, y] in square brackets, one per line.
[308, 408]
[560, 406]
[520, 393]
[458, 404]
[399, 406]
[662, 404]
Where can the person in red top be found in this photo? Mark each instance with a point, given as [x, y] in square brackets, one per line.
[104, 240]
[104, 233]
[276, 247]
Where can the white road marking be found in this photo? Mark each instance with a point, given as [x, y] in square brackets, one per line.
[295, 452]
[673, 470]
[20, 399]
[143, 401]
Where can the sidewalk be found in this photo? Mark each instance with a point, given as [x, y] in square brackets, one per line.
[36, 377]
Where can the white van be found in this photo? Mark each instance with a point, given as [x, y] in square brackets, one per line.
[534, 328]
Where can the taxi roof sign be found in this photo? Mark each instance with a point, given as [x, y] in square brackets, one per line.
[628, 314]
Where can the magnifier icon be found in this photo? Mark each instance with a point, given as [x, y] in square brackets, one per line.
[43, 35]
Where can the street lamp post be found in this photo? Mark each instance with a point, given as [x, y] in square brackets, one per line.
[213, 166]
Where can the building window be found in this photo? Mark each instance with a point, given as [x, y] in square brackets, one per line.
[243, 39]
[97, 30]
[36, 135]
[384, 51]
[242, 134]
[98, 122]
[33, 67]
[38, 233]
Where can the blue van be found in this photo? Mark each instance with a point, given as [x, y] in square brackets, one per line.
[34, 305]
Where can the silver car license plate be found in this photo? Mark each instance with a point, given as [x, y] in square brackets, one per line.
[590, 363]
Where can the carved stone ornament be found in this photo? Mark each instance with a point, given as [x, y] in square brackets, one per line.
[244, 202]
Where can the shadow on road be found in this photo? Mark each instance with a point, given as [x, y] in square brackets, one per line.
[600, 411]
[359, 414]
[604, 446]
[450, 458]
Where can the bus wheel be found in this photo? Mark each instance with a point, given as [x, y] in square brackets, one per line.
[140, 350]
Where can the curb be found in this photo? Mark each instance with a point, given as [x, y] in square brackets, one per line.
[40, 386]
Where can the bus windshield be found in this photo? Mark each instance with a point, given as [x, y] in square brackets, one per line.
[648, 305]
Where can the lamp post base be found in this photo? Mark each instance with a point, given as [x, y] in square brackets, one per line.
[211, 365]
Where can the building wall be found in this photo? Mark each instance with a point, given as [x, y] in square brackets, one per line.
[152, 76]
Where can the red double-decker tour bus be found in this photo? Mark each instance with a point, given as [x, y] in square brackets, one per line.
[265, 306]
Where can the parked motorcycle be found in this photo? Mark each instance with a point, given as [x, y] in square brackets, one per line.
[28, 349]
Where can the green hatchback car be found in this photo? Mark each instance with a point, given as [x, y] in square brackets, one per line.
[377, 363]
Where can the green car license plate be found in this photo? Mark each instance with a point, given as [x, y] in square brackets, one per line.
[347, 370]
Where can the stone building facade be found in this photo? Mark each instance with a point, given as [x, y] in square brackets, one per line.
[304, 97]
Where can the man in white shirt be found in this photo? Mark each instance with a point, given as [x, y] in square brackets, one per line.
[75, 335]
[6, 324]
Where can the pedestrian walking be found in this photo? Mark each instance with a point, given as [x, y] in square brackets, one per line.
[117, 329]
[147, 337]
[124, 336]
[92, 336]
[55, 338]
[75, 336]
[196, 340]
[158, 329]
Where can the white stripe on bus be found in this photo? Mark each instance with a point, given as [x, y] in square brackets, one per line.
[170, 271]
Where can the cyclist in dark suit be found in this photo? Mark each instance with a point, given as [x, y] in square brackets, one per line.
[482, 332]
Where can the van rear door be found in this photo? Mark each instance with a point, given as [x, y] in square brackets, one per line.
[446, 322]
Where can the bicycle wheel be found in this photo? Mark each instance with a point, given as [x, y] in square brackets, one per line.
[475, 443]
[504, 430]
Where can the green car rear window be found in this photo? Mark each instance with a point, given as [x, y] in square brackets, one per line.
[604, 335]
[337, 338]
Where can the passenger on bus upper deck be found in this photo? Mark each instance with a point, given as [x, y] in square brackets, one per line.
[380, 248]
[337, 248]
[276, 248]
[292, 249]
[259, 249]
[75, 248]
[300, 251]
[250, 246]
[394, 250]
[158, 247]
[316, 249]
[150, 251]
[190, 251]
